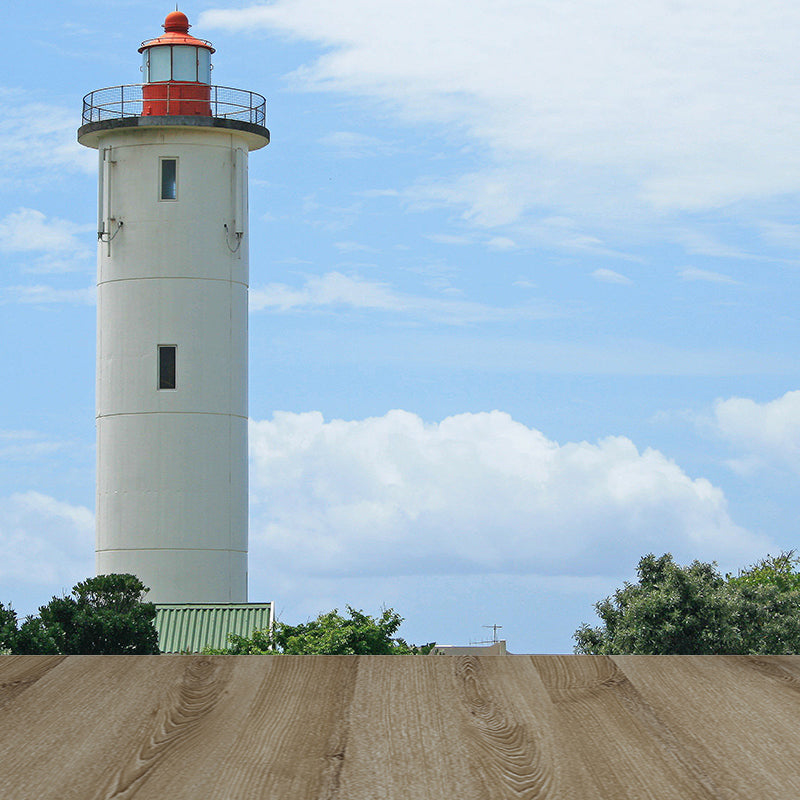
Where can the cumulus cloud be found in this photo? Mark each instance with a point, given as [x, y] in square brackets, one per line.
[473, 493]
[592, 104]
[335, 289]
[56, 537]
[768, 433]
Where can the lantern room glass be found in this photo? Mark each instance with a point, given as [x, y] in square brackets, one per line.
[203, 65]
[157, 65]
[176, 63]
[184, 63]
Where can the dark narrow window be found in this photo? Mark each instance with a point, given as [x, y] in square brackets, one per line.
[166, 366]
[169, 179]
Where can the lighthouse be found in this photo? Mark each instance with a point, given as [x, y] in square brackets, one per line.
[172, 283]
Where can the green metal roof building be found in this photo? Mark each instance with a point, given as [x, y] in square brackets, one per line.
[189, 627]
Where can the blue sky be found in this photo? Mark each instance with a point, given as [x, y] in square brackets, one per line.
[523, 298]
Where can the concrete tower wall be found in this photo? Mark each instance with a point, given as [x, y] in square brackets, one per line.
[172, 463]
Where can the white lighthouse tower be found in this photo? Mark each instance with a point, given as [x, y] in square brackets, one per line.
[172, 281]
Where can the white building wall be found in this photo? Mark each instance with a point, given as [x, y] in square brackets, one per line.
[172, 464]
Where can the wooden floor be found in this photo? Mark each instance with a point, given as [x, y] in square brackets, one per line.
[400, 727]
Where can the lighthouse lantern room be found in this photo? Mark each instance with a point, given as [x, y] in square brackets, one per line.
[176, 68]
[172, 283]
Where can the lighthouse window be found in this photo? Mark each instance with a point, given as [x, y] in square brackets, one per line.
[169, 179]
[203, 65]
[184, 63]
[166, 366]
[159, 66]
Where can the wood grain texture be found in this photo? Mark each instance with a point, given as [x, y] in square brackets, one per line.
[18, 674]
[405, 727]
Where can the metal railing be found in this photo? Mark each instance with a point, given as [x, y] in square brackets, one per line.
[224, 102]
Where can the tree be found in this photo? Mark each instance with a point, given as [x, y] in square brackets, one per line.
[768, 596]
[105, 615]
[8, 627]
[328, 634]
[694, 610]
[780, 571]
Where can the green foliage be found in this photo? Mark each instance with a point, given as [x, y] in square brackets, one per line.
[8, 627]
[105, 615]
[260, 642]
[333, 634]
[34, 637]
[328, 634]
[780, 571]
[694, 610]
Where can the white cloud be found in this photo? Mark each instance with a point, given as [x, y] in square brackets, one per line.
[335, 289]
[41, 294]
[29, 230]
[36, 138]
[501, 243]
[492, 197]
[609, 276]
[630, 101]
[769, 433]
[330, 217]
[380, 193]
[45, 544]
[781, 234]
[694, 274]
[701, 243]
[446, 238]
[350, 144]
[27, 445]
[569, 233]
[353, 247]
[474, 493]
[46, 244]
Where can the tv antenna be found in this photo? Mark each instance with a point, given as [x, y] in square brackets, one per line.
[494, 639]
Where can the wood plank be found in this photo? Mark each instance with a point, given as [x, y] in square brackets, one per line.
[473, 728]
[18, 673]
[292, 737]
[375, 727]
[59, 738]
[737, 714]
[618, 735]
[184, 723]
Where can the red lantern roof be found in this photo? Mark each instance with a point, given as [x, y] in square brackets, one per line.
[176, 31]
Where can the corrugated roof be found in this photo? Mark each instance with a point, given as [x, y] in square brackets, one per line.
[188, 628]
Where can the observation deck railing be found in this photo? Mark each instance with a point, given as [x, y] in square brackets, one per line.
[224, 102]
